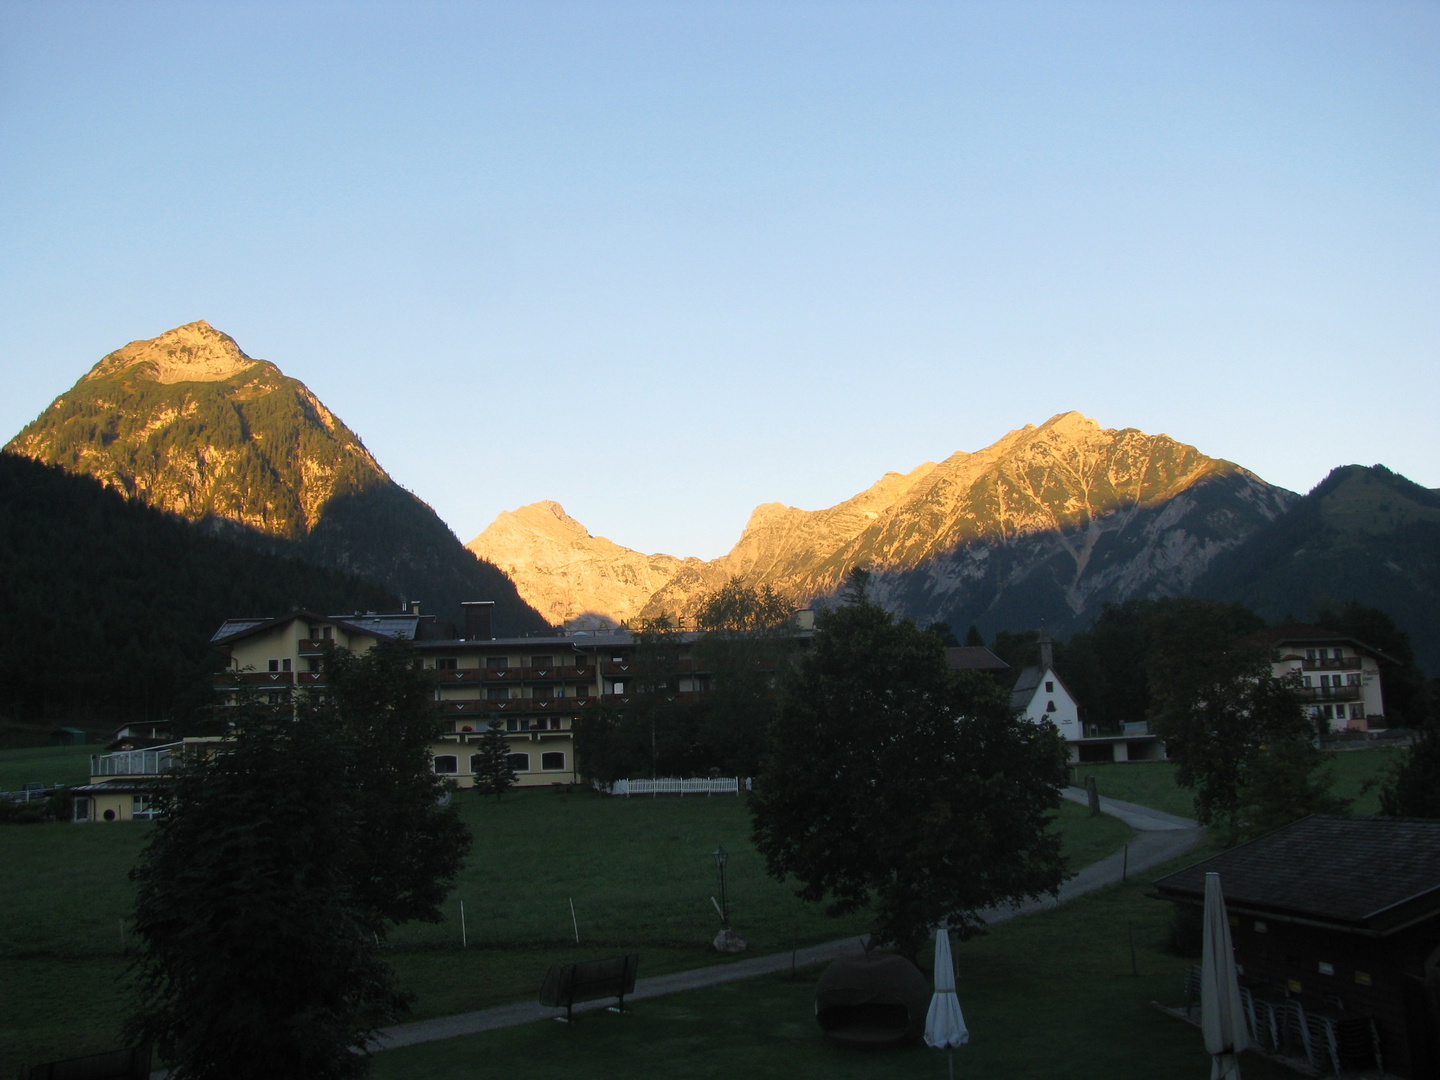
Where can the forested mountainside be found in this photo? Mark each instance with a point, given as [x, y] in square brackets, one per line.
[107, 605]
[188, 423]
[1363, 534]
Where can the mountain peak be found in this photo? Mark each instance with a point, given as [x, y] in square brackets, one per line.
[1070, 424]
[195, 352]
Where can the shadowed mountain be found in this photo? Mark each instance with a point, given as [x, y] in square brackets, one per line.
[109, 604]
[1363, 534]
[188, 423]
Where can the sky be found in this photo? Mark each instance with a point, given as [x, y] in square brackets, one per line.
[665, 262]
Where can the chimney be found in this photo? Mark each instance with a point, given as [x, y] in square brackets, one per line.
[477, 619]
[1047, 652]
[414, 607]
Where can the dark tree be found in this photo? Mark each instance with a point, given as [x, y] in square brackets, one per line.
[1289, 779]
[279, 862]
[973, 637]
[1217, 704]
[383, 706]
[947, 636]
[1413, 787]
[491, 763]
[259, 958]
[895, 784]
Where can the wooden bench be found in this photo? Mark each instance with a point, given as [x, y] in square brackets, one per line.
[131, 1064]
[590, 980]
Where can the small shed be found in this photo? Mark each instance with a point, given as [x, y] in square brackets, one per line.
[1338, 918]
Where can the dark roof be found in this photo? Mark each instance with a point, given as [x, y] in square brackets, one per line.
[973, 658]
[1304, 634]
[1371, 875]
[1024, 688]
[397, 625]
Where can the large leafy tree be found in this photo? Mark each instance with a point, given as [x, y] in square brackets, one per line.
[895, 784]
[279, 862]
[1219, 708]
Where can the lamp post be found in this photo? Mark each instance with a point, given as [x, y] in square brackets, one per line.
[720, 858]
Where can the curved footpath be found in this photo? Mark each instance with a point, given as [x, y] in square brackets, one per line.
[1159, 838]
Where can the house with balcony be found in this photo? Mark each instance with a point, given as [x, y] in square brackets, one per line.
[122, 783]
[1339, 676]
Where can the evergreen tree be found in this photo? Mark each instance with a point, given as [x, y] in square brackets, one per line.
[491, 763]
[1412, 788]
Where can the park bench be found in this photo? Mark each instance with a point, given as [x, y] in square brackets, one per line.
[130, 1064]
[589, 980]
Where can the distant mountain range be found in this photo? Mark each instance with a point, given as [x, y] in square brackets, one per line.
[188, 423]
[1040, 529]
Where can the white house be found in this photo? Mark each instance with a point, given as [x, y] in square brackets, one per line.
[1340, 676]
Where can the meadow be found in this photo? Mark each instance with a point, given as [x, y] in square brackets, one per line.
[639, 873]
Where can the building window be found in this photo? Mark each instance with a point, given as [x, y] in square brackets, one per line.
[1049, 687]
[446, 763]
[543, 693]
[512, 724]
[552, 759]
[542, 661]
[497, 693]
[476, 761]
[1352, 679]
[497, 663]
[519, 762]
[446, 663]
[280, 665]
[1357, 712]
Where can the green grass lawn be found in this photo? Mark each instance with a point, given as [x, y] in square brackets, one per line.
[46, 765]
[640, 873]
[1152, 783]
[1048, 995]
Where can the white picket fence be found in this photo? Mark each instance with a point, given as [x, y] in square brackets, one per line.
[674, 785]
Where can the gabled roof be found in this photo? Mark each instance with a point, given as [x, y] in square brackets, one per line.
[1364, 875]
[397, 625]
[1028, 685]
[1302, 634]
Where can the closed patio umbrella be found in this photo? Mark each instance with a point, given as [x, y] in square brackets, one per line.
[1222, 1018]
[944, 1023]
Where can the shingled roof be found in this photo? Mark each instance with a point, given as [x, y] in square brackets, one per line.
[1365, 875]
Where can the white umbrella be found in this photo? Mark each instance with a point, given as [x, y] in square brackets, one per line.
[944, 1024]
[1221, 1016]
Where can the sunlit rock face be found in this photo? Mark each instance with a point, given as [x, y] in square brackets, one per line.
[1040, 529]
[569, 576]
[189, 423]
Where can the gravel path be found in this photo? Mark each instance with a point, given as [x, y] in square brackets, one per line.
[1159, 838]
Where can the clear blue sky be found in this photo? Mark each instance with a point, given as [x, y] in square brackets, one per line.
[663, 262]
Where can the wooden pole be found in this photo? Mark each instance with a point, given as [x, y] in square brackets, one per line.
[464, 941]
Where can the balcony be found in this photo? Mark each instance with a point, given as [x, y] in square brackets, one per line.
[255, 678]
[131, 763]
[314, 646]
[310, 678]
[500, 674]
[1345, 663]
[457, 676]
[1330, 693]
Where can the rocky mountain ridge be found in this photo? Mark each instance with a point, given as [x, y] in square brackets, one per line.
[1040, 528]
[572, 578]
[188, 423]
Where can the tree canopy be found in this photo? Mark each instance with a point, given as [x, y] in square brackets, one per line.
[279, 861]
[892, 783]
